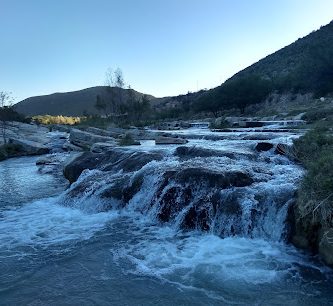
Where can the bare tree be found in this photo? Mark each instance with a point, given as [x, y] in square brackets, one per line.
[114, 80]
[109, 78]
[5, 105]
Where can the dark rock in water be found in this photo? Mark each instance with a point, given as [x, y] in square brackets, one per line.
[168, 202]
[130, 190]
[179, 189]
[113, 160]
[86, 160]
[197, 218]
[282, 149]
[264, 146]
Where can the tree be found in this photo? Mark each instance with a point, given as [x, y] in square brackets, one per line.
[114, 80]
[100, 105]
[5, 113]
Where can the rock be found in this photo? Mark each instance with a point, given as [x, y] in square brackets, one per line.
[263, 146]
[162, 140]
[86, 160]
[70, 147]
[61, 128]
[282, 149]
[100, 132]
[141, 134]
[178, 190]
[47, 160]
[85, 139]
[30, 147]
[100, 147]
[213, 178]
[326, 247]
[300, 242]
[115, 159]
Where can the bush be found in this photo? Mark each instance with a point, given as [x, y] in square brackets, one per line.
[128, 141]
[315, 115]
[315, 198]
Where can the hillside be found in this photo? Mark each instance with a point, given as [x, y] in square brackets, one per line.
[305, 66]
[75, 103]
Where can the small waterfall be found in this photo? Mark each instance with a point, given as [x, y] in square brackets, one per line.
[227, 195]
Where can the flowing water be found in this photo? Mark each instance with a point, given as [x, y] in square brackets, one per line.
[61, 247]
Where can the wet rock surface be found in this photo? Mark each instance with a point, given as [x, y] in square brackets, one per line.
[264, 146]
[117, 159]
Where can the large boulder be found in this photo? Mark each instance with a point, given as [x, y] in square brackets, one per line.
[114, 160]
[179, 189]
[30, 147]
[211, 178]
[264, 146]
[86, 139]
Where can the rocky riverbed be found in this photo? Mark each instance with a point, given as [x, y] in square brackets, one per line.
[205, 222]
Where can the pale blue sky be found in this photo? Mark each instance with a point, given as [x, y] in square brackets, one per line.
[164, 47]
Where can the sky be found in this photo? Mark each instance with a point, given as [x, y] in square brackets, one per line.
[163, 47]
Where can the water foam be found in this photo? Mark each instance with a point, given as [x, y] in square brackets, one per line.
[45, 222]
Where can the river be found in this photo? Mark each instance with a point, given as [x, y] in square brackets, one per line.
[52, 253]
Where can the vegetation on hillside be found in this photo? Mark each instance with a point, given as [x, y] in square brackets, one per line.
[306, 66]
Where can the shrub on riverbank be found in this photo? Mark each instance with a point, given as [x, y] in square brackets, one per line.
[315, 151]
[314, 206]
[128, 140]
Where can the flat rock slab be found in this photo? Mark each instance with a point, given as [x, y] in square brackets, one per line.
[87, 139]
[31, 147]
